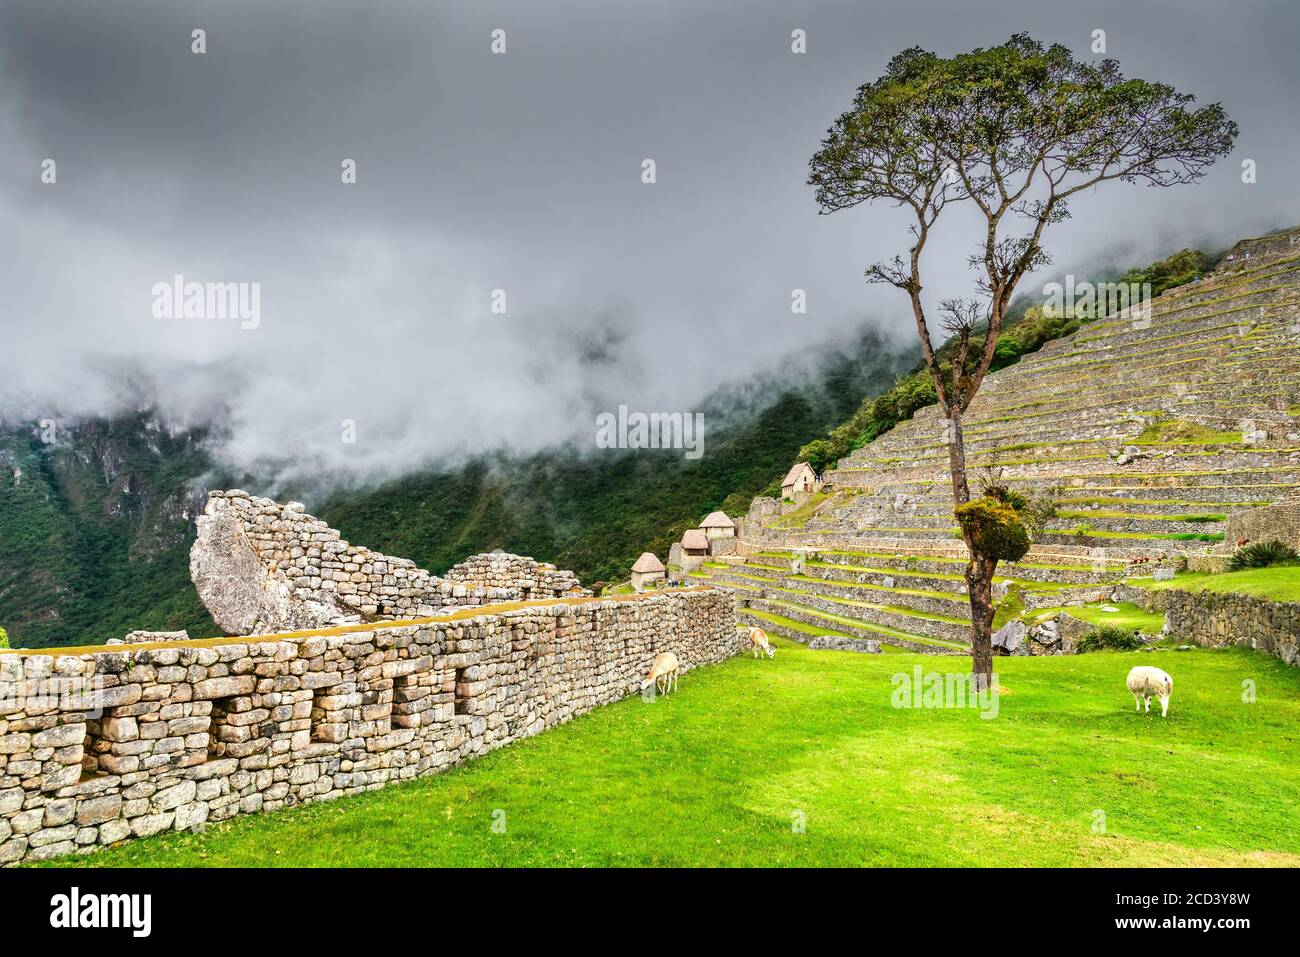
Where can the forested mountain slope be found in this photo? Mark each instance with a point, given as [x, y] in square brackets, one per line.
[95, 527]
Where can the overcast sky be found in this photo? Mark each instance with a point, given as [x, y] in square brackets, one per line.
[519, 172]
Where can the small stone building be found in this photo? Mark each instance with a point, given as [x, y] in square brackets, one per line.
[647, 572]
[695, 544]
[695, 549]
[718, 525]
[800, 482]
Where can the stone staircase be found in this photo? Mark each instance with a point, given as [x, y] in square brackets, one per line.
[1144, 428]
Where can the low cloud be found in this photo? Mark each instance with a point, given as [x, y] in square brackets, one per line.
[520, 173]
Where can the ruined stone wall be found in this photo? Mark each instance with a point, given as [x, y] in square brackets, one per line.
[762, 512]
[528, 577]
[101, 746]
[145, 637]
[262, 567]
[720, 547]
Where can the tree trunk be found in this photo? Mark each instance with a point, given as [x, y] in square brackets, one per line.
[980, 568]
[979, 583]
[957, 460]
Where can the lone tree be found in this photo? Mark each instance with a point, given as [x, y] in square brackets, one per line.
[1016, 130]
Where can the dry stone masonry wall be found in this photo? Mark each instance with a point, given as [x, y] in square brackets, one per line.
[1214, 620]
[1225, 619]
[506, 572]
[100, 746]
[262, 567]
[1279, 523]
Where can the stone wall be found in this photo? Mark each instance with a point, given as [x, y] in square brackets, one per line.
[1220, 619]
[723, 546]
[144, 637]
[101, 745]
[1265, 524]
[262, 567]
[762, 512]
[527, 577]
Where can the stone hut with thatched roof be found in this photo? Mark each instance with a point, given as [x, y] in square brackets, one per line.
[647, 572]
[695, 549]
[718, 525]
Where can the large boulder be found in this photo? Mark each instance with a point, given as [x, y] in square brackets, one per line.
[245, 595]
[1010, 637]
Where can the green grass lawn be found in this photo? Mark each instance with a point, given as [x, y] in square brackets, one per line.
[1280, 582]
[799, 517]
[1126, 615]
[718, 774]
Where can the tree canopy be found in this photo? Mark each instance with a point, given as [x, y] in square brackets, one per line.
[1017, 130]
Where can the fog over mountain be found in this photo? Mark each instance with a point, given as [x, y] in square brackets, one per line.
[519, 172]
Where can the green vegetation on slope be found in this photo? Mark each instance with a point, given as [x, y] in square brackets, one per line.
[95, 529]
[1184, 266]
[95, 533]
[1167, 431]
[1027, 328]
[747, 748]
[1126, 615]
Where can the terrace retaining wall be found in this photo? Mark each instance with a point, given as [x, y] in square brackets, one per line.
[1279, 522]
[102, 745]
[1221, 619]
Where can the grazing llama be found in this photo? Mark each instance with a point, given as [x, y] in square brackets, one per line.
[663, 673]
[758, 640]
[1146, 682]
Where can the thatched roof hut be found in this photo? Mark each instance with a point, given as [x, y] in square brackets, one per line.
[648, 563]
[695, 542]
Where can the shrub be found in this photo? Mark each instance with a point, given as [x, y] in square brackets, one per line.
[990, 488]
[1261, 555]
[1007, 351]
[994, 527]
[4, 638]
[1110, 637]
